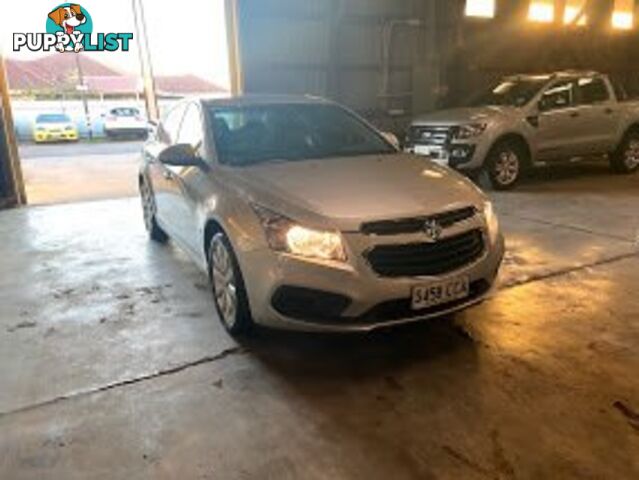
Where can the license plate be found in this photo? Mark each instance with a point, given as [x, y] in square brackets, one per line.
[437, 154]
[426, 296]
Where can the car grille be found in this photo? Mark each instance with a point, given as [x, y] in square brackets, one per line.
[435, 136]
[427, 259]
[416, 224]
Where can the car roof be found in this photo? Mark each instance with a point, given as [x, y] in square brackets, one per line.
[262, 99]
[554, 75]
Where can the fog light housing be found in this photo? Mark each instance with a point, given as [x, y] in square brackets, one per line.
[460, 154]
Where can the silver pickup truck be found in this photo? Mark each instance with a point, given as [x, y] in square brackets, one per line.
[532, 120]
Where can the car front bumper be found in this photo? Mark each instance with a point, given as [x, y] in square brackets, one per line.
[351, 298]
[127, 131]
[462, 156]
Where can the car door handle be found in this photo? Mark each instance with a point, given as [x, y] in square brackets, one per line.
[609, 111]
[574, 114]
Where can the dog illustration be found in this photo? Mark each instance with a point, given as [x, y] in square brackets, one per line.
[68, 18]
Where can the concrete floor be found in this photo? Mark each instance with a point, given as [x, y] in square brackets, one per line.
[112, 365]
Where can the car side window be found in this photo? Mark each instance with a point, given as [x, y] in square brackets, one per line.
[168, 132]
[592, 90]
[191, 132]
[558, 96]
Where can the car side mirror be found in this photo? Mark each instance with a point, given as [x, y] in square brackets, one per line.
[392, 139]
[181, 155]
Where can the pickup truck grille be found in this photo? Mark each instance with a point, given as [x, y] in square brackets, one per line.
[416, 224]
[436, 136]
[427, 259]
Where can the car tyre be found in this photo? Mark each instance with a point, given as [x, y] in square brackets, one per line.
[505, 165]
[227, 285]
[149, 209]
[626, 159]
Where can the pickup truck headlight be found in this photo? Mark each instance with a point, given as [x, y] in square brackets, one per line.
[464, 132]
[287, 236]
[492, 222]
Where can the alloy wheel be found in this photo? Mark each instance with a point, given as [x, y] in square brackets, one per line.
[224, 282]
[631, 155]
[507, 167]
[148, 205]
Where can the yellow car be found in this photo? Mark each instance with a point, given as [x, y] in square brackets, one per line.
[54, 127]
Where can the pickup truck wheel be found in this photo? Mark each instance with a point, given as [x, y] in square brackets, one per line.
[149, 209]
[626, 159]
[229, 292]
[505, 164]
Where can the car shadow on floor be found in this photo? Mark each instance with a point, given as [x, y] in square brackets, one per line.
[311, 356]
[586, 177]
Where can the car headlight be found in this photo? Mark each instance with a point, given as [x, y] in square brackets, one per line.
[40, 129]
[472, 130]
[492, 222]
[69, 127]
[287, 236]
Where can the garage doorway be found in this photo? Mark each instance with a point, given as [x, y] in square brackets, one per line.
[81, 119]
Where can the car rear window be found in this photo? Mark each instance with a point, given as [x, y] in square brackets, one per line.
[125, 112]
[593, 90]
[53, 118]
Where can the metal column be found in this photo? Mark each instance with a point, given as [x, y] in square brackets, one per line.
[12, 190]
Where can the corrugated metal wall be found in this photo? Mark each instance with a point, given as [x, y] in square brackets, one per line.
[335, 48]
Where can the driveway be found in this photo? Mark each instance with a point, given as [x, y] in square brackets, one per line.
[63, 173]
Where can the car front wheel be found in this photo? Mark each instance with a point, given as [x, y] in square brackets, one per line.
[505, 165]
[149, 209]
[229, 292]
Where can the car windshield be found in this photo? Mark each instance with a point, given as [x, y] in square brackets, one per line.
[511, 92]
[53, 118]
[247, 135]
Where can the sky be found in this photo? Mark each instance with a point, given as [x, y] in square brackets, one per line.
[186, 37]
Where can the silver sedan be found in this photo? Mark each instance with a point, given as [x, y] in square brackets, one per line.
[306, 217]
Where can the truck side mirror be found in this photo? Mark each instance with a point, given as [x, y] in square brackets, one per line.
[392, 139]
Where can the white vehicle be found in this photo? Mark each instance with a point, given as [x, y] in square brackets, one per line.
[126, 122]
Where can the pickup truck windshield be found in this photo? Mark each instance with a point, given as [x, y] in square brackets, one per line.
[247, 135]
[514, 93]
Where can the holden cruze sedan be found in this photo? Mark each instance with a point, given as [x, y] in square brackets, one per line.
[306, 217]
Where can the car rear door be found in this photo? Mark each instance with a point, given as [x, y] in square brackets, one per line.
[599, 115]
[558, 130]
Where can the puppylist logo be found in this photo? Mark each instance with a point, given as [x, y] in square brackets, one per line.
[69, 28]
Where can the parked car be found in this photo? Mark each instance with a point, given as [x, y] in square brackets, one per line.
[54, 127]
[307, 218]
[530, 120]
[125, 122]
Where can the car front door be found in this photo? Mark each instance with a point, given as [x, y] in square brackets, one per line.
[558, 131]
[180, 181]
[161, 174]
